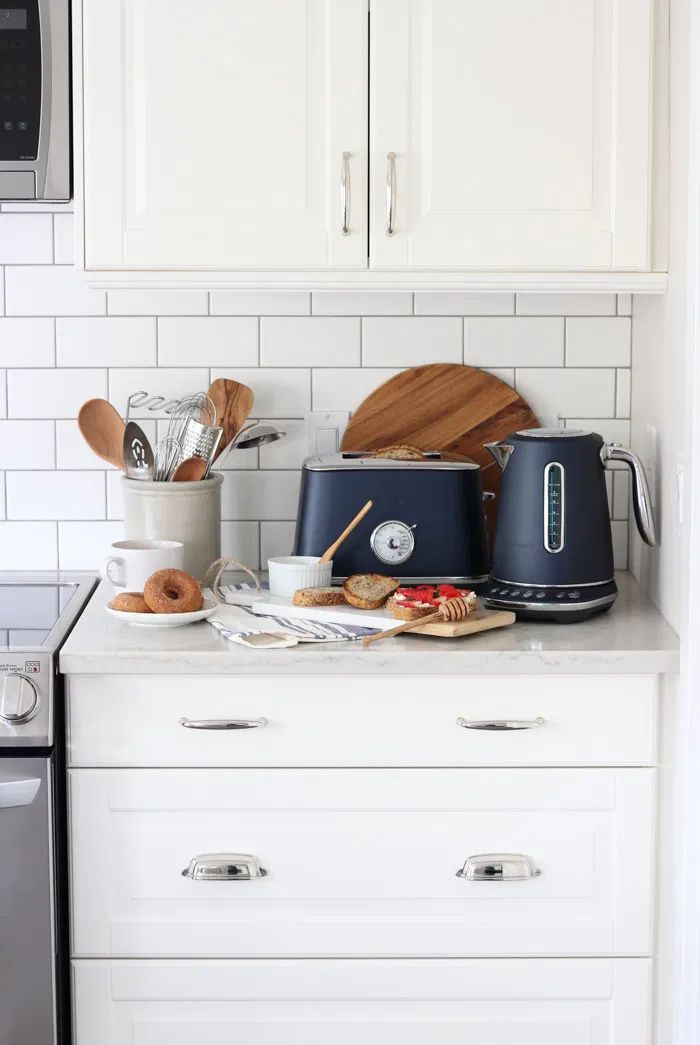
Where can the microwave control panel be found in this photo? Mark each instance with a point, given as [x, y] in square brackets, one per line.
[20, 81]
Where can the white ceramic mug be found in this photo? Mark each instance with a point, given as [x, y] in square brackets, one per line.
[133, 562]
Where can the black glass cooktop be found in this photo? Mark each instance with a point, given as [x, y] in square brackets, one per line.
[29, 612]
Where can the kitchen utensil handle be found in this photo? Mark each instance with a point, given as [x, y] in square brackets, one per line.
[330, 552]
[641, 496]
[391, 193]
[223, 723]
[345, 195]
[407, 626]
[224, 867]
[499, 867]
[502, 725]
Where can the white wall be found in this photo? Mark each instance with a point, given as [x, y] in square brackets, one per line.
[61, 343]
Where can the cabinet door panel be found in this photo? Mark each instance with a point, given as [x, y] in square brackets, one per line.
[361, 863]
[521, 131]
[580, 1002]
[214, 133]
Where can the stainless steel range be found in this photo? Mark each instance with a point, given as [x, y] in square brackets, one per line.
[37, 611]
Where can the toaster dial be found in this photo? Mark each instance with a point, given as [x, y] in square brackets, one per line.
[393, 542]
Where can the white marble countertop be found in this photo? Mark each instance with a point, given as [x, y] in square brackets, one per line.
[633, 638]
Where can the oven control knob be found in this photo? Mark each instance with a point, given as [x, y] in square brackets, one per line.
[18, 699]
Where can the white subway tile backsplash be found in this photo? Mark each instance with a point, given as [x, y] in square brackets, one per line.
[27, 342]
[276, 538]
[50, 290]
[55, 495]
[620, 537]
[612, 431]
[454, 303]
[260, 303]
[241, 541]
[569, 392]
[411, 341]
[62, 343]
[26, 239]
[157, 302]
[345, 389]
[27, 444]
[623, 400]
[514, 342]
[260, 495]
[86, 545]
[169, 382]
[278, 392]
[309, 341]
[598, 341]
[288, 452]
[63, 236]
[565, 304]
[207, 341]
[362, 303]
[52, 393]
[105, 341]
[28, 546]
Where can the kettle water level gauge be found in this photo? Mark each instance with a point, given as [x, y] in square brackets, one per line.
[393, 542]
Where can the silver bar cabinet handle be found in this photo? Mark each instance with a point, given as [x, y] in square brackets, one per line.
[345, 195]
[390, 193]
[499, 867]
[224, 867]
[223, 723]
[502, 725]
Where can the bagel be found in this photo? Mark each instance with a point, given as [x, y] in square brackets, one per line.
[130, 602]
[172, 591]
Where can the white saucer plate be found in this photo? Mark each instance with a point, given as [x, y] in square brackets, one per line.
[163, 620]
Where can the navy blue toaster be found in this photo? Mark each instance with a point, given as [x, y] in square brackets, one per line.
[427, 522]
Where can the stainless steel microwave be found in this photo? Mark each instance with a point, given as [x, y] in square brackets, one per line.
[35, 153]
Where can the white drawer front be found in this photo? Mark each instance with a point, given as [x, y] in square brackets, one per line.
[579, 1002]
[391, 721]
[361, 862]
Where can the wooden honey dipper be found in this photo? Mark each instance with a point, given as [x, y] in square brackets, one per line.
[452, 610]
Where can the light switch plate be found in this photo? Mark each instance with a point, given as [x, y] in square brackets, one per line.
[325, 431]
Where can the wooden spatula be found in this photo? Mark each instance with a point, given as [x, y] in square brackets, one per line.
[103, 430]
[190, 471]
[233, 402]
[451, 610]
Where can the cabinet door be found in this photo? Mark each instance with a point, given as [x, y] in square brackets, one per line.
[576, 1002]
[214, 133]
[521, 133]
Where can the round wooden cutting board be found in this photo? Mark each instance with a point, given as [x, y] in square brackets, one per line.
[444, 406]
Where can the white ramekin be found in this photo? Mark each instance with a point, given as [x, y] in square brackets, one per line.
[288, 573]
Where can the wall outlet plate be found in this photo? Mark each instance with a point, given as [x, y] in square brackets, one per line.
[325, 431]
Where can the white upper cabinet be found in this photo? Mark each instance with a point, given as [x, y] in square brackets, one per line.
[507, 142]
[521, 130]
[214, 133]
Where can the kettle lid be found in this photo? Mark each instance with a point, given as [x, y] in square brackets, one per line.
[553, 433]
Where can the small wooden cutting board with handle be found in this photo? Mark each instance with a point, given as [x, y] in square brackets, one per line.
[443, 406]
[480, 620]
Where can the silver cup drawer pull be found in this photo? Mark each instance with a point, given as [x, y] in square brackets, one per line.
[499, 867]
[502, 725]
[223, 723]
[224, 867]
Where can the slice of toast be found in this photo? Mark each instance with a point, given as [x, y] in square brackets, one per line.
[400, 452]
[408, 610]
[319, 597]
[369, 591]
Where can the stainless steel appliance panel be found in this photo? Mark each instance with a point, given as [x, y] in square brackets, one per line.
[27, 903]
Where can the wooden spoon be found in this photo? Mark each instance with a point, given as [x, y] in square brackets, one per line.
[233, 402]
[190, 471]
[103, 430]
[451, 610]
[330, 552]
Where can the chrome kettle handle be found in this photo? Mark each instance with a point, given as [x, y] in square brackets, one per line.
[641, 497]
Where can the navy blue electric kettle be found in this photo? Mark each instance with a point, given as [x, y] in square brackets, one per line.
[552, 554]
